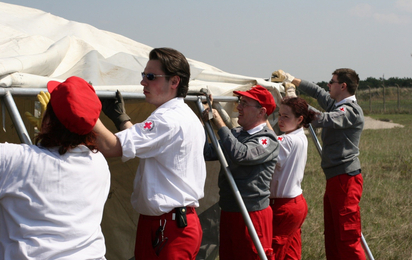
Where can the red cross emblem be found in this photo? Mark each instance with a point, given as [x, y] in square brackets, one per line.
[264, 141]
[280, 138]
[148, 125]
[342, 109]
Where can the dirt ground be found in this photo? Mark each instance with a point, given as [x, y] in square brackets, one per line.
[371, 123]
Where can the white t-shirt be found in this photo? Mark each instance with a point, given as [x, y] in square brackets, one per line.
[51, 205]
[288, 175]
[172, 170]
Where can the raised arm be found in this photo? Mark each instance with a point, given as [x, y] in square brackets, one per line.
[108, 144]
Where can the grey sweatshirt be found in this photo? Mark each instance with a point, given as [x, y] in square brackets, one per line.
[252, 160]
[342, 126]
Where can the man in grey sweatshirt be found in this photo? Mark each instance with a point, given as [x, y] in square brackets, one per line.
[342, 124]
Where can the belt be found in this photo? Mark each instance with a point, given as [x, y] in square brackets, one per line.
[286, 200]
[170, 215]
[354, 172]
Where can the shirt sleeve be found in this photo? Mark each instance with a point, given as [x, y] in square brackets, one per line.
[285, 147]
[146, 139]
[259, 148]
[341, 117]
[321, 95]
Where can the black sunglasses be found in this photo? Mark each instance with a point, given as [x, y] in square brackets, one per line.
[331, 82]
[151, 76]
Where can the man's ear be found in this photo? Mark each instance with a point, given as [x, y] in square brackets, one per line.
[263, 110]
[344, 86]
[175, 80]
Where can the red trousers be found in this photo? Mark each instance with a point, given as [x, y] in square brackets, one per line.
[342, 217]
[235, 241]
[176, 243]
[288, 217]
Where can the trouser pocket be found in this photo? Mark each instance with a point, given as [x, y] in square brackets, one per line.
[350, 223]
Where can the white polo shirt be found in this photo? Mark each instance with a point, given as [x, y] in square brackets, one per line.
[288, 175]
[51, 205]
[172, 170]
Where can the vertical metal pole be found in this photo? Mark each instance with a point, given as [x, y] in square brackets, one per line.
[383, 86]
[370, 100]
[232, 183]
[399, 92]
[317, 144]
[16, 118]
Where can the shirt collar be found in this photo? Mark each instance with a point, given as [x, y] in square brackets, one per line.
[172, 102]
[256, 129]
[346, 100]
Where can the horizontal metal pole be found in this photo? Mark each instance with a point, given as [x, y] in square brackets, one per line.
[111, 94]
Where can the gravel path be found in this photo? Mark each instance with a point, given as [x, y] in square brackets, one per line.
[371, 123]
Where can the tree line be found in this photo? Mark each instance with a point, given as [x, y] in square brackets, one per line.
[378, 83]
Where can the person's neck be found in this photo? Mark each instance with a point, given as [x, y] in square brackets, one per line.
[342, 97]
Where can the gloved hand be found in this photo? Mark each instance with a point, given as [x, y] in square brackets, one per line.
[290, 90]
[114, 109]
[281, 76]
[44, 98]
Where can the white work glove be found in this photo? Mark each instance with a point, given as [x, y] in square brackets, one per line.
[290, 90]
[280, 76]
[44, 98]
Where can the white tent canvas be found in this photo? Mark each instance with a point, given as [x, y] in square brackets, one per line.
[36, 47]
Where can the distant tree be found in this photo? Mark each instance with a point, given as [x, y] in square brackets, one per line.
[377, 83]
[371, 82]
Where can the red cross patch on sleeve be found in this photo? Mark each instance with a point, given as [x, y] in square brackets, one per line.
[148, 125]
[280, 138]
[342, 109]
[264, 141]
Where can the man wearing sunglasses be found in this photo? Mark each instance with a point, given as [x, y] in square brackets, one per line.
[342, 125]
[171, 175]
[251, 151]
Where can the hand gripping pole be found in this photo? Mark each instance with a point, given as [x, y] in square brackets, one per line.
[232, 182]
[317, 144]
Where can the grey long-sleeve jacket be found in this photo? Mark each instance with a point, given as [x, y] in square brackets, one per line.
[342, 127]
[252, 160]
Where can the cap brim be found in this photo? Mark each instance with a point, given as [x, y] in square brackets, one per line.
[245, 94]
[51, 85]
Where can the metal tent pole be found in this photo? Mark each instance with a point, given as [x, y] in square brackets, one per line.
[317, 144]
[232, 183]
[16, 118]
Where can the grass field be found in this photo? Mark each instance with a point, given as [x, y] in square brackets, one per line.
[386, 205]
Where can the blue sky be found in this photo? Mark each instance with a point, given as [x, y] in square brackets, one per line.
[308, 39]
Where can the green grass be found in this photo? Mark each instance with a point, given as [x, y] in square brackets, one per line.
[386, 205]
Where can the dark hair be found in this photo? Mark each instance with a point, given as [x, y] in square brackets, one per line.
[53, 133]
[173, 63]
[299, 108]
[348, 76]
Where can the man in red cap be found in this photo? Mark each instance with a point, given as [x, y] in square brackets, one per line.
[52, 194]
[251, 151]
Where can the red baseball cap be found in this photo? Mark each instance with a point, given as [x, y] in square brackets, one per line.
[75, 104]
[261, 95]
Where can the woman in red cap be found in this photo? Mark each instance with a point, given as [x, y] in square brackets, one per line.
[52, 194]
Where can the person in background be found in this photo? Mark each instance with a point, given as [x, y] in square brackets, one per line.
[52, 194]
[251, 151]
[342, 124]
[286, 198]
[171, 175]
